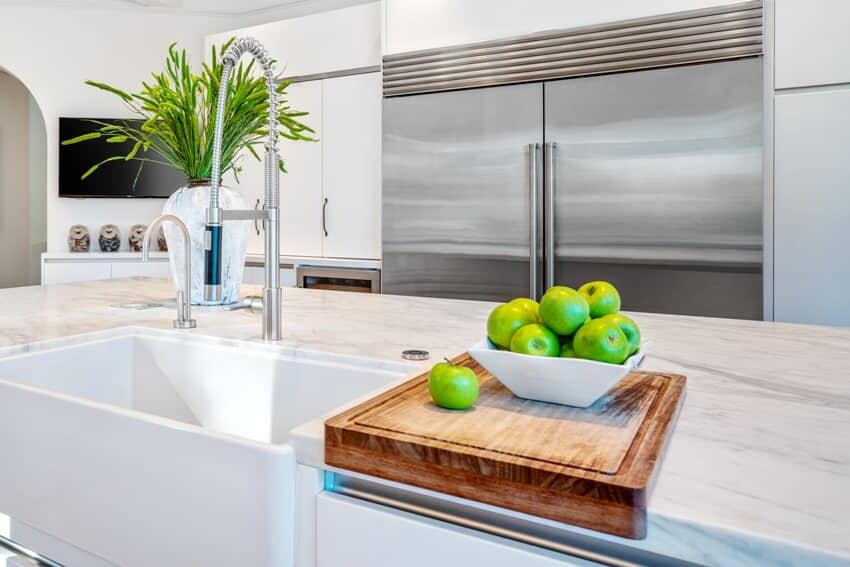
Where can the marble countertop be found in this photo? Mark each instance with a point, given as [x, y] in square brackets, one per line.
[757, 471]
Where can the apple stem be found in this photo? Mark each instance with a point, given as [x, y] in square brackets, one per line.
[449, 361]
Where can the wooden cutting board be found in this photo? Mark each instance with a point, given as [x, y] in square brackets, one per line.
[589, 467]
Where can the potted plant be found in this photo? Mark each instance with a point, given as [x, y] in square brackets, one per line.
[178, 109]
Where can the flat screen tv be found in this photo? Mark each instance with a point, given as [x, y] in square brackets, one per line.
[116, 179]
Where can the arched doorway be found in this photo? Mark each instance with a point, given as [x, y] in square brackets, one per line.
[23, 184]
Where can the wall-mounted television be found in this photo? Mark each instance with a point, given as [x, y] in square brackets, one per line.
[116, 179]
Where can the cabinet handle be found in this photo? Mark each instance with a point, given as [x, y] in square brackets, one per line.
[325, 216]
[14, 547]
[472, 523]
[256, 226]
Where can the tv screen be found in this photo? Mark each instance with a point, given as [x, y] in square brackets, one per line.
[116, 178]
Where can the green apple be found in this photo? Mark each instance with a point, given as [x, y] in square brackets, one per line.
[629, 328]
[504, 321]
[567, 350]
[531, 306]
[563, 309]
[453, 387]
[601, 340]
[535, 339]
[602, 297]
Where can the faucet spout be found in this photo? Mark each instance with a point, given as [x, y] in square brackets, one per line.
[272, 293]
[184, 296]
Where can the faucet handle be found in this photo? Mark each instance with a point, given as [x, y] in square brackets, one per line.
[244, 214]
[253, 302]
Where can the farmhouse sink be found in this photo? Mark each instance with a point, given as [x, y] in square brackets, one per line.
[148, 447]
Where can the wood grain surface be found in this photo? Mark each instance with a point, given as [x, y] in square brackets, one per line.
[591, 467]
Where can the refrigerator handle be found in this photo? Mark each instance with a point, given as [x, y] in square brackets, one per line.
[549, 214]
[534, 219]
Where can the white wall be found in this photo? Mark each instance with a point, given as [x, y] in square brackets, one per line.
[38, 184]
[54, 50]
[22, 182]
[411, 25]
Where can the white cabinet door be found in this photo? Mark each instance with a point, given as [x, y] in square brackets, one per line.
[812, 43]
[411, 25]
[301, 187]
[351, 145]
[251, 186]
[360, 534]
[318, 43]
[812, 207]
[70, 272]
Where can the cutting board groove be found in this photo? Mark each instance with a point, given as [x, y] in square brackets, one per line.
[591, 467]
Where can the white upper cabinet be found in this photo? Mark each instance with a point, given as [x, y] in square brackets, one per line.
[345, 111]
[249, 183]
[301, 186]
[351, 141]
[348, 38]
[411, 25]
[812, 207]
[812, 43]
[343, 167]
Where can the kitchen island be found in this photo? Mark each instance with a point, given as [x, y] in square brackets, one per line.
[758, 468]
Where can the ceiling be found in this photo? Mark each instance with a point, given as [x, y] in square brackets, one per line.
[232, 7]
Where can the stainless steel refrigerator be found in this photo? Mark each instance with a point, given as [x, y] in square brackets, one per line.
[650, 179]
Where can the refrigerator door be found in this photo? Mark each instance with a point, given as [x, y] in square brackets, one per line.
[656, 180]
[461, 193]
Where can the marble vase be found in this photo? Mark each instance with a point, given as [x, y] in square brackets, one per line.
[190, 204]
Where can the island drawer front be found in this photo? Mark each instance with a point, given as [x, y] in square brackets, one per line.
[362, 534]
[588, 467]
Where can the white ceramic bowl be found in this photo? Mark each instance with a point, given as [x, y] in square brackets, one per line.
[566, 381]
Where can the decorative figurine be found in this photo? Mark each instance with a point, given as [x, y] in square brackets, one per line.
[160, 240]
[78, 239]
[110, 238]
[137, 233]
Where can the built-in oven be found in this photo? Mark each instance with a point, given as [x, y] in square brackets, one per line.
[339, 279]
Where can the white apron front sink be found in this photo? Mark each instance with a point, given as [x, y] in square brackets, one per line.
[155, 448]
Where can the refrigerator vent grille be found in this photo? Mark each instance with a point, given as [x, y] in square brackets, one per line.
[724, 32]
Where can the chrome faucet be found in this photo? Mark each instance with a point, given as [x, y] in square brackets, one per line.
[272, 294]
[184, 300]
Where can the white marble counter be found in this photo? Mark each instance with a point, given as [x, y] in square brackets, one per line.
[757, 472]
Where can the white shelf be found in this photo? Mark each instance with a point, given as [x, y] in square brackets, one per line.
[253, 259]
[100, 256]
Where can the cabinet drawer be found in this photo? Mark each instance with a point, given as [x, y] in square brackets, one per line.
[256, 275]
[362, 534]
